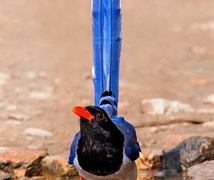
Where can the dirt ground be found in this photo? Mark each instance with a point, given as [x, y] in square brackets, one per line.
[46, 59]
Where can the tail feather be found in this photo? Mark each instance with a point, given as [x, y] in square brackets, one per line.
[108, 103]
[106, 16]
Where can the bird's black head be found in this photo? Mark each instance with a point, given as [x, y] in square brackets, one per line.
[93, 118]
[100, 147]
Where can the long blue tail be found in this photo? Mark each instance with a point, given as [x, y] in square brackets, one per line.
[106, 16]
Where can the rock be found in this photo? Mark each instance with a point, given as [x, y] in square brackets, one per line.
[35, 168]
[13, 122]
[3, 149]
[208, 124]
[205, 111]
[18, 116]
[189, 152]
[5, 176]
[26, 163]
[31, 75]
[6, 166]
[196, 150]
[153, 106]
[11, 107]
[202, 26]
[17, 162]
[58, 167]
[4, 78]
[161, 106]
[40, 95]
[147, 161]
[2, 105]
[19, 173]
[168, 174]
[209, 99]
[198, 50]
[42, 73]
[18, 156]
[38, 132]
[204, 170]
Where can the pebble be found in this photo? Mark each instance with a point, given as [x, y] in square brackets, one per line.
[31, 75]
[3, 149]
[159, 106]
[4, 78]
[202, 26]
[208, 124]
[40, 95]
[11, 107]
[209, 99]
[13, 122]
[2, 105]
[38, 132]
[205, 111]
[18, 116]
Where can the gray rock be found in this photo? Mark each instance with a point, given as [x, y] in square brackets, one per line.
[191, 151]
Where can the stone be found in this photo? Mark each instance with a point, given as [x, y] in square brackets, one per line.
[58, 167]
[40, 95]
[4, 77]
[18, 116]
[208, 124]
[19, 156]
[2, 105]
[204, 170]
[35, 168]
[31, 75]
[189, 152]
[5, 176]
[147, 161]
[11, 107]
[27, 163]
[159, 106]
[13, 122]
[209, 99]
[153, 106]
[38, 132]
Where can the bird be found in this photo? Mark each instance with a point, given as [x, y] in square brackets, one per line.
[106, 146]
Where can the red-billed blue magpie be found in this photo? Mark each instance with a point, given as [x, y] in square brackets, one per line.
[106, 146]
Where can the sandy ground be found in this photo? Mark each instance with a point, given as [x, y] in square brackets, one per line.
[46, 60]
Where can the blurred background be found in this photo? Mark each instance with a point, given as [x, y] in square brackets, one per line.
[46, 60]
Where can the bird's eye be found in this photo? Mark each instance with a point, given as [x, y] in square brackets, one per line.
[99, 115]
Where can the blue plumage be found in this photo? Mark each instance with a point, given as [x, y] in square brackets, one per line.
[106, 27]
[106, 23]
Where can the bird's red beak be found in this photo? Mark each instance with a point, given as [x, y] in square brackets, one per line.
[83, 112]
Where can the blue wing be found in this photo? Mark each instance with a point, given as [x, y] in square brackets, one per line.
[131, 146]
[73, 148]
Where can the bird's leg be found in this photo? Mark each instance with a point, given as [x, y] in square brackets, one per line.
[81, 178]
